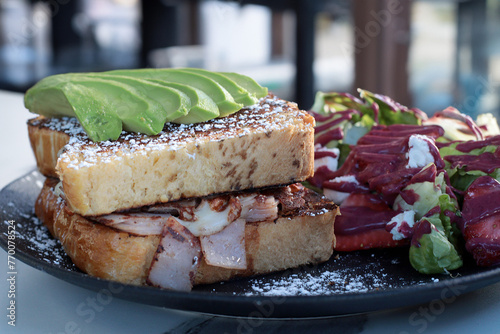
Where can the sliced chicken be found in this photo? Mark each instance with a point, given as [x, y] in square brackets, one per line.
[226, 248]
[257, 208]
[177, 258]
[139, 223]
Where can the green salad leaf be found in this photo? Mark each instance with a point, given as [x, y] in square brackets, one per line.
[431, 252]
[342, 119]
[427, 192]
[390, 111]
[438, 249]
[462, 174]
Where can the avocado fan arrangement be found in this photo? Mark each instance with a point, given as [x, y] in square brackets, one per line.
[106, 103]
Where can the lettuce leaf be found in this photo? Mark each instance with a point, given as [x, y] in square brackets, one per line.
[341, 118]
[431, 252]
[449, 208]
[457, 126]
[438, 249]
[390, 111]
[326, 103]
[452, 149]
[461, 178]
[427, 193]
[430, 194]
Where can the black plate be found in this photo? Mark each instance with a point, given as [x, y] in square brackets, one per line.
[349, 283]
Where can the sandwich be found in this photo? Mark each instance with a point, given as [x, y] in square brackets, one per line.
[174, 178]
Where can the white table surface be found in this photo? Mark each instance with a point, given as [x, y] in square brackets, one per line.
[45, 304]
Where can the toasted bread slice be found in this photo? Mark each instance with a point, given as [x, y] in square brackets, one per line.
[304, 237]
[271, 143]
[47, 138]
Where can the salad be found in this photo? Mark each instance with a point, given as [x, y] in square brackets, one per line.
[403, 179]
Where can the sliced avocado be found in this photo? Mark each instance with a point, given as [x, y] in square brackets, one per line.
[44, 99]
[240, 94]
[248, 83]
[94, 112]
[203, 107]
[174, 101]
[57, 96]
[141, 100]
[221, 96]
[137, 112]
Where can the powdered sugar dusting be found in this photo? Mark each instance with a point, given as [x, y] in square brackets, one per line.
[38, 239]
[270, 114]
[321, 282]
[68, 125]
[326, 283]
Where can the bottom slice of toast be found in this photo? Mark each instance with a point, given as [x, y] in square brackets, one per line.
[305, 236]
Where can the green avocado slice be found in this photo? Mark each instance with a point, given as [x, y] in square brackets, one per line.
[174, 101]
[46, 97]
[203, 108]
[225, 102]
[127, 101]
[141, 100]
[93, 109]
[240, 94]
[53, 96]
[57, 97]
[248, 83]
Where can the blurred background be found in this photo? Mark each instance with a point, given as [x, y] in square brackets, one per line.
[425, 54]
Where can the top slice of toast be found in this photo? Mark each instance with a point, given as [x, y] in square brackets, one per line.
[268, 144]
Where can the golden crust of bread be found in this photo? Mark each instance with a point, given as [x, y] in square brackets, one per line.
[268, 144]
[46, 144]
[94, 248]
[120, 256]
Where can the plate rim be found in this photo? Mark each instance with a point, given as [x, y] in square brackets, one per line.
[243, 305]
